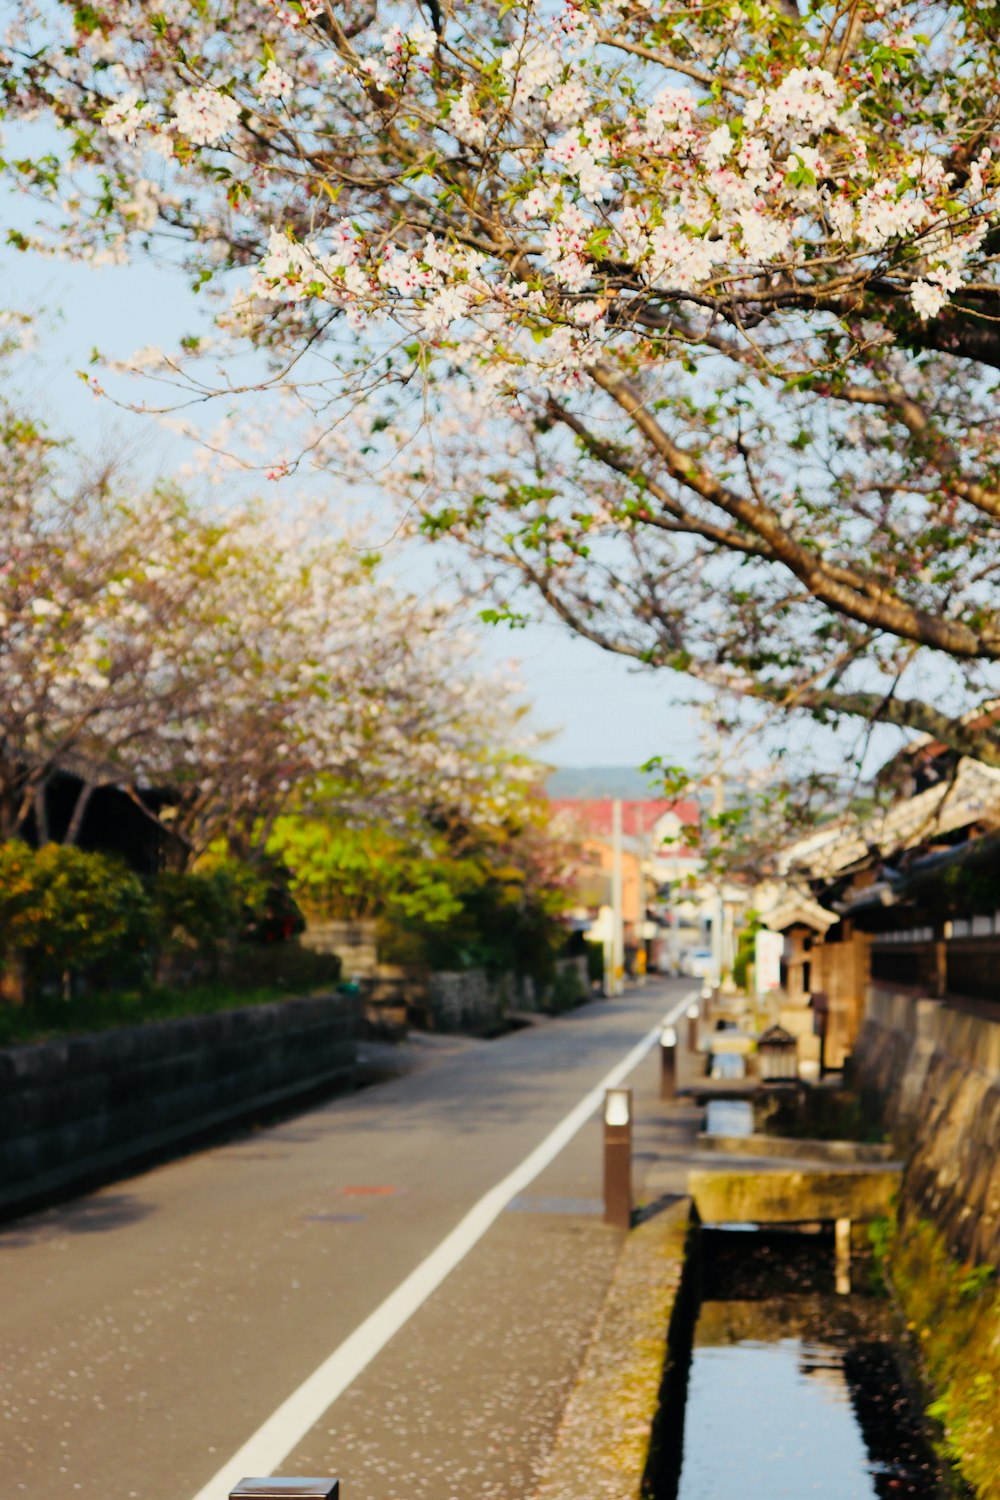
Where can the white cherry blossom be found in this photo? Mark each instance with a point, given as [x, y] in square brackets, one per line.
[125, 118]
[203, 116]
[274, 82]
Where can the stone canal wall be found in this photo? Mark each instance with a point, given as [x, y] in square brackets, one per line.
[84, 1107]
[934, 1071]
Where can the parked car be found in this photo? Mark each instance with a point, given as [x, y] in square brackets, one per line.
[699, 963]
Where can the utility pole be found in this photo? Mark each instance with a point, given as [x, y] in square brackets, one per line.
[642, 955]
[719, 916]
[617, 913]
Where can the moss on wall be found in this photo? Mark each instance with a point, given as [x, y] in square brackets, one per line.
[953, 1312]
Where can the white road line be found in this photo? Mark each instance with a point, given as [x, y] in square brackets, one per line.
[285, 1428]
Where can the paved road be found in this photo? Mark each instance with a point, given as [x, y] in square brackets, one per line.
[150, 1329]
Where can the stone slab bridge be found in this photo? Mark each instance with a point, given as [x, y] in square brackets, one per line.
[789, 1195]
[785, 1195]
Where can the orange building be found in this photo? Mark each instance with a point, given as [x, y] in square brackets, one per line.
[654, 855]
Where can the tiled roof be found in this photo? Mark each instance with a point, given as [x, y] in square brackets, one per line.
[638, 817]
[973, 796]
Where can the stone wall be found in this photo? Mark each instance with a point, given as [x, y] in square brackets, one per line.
[86, 1107]
[468, 1000]
[935, 1072]
[354, 943]
[473, 1001]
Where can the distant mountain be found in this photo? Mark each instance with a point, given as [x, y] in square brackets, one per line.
[600, 781]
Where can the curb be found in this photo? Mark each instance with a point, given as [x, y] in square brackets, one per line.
[603, 1442]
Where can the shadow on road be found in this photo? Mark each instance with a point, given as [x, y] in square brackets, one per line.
[95, 1215]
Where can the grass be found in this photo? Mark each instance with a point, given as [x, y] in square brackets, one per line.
[822, 1115]
[953, 1312]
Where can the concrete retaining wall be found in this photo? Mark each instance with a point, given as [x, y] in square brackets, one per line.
[936, 1074]
[87, 1106]
[777, 1195]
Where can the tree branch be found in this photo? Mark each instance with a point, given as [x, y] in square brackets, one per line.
[845, 592]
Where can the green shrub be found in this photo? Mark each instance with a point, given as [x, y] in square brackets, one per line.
[745, 950]
[287, 967]
[205, 912]
[271, 913]
[91, 914]
[197, 912]
[566, 992]
[20, 897]
[881, 1237]
[481, 898]
[80, 926]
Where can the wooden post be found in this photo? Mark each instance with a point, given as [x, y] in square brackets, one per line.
[940, 967]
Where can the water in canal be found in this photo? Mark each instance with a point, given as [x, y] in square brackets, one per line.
[792, 1392]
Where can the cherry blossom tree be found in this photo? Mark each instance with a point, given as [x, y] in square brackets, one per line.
[243, 663]
[99, 621]
[332, 691]
[697, 303]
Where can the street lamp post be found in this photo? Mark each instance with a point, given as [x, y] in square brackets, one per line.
[617, 902]
[618, 1158]
[286, 1489]
[668, 1063]
[692, 1015]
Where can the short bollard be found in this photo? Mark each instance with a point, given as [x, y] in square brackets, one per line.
[693, 1014]
[286, 1489]
[842, 1257]
[668, 1063]
[618, 1158]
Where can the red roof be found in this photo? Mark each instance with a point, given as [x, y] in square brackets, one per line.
[638, 818]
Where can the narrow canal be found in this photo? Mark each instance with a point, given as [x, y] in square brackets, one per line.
[784, 1390]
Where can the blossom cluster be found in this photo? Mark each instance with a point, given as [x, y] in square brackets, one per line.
[759, 191]
[203, 116]
[489, 181]
[723, 230]
[274, 82]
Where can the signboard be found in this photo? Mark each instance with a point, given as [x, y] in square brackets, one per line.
[768, 950]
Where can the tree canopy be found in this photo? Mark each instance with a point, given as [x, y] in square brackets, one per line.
[683, 315]
[244, 663]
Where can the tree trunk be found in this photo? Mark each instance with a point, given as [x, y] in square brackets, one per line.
[41, 816]
[79, 812]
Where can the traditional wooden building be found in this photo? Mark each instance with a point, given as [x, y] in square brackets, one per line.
[909, 897]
